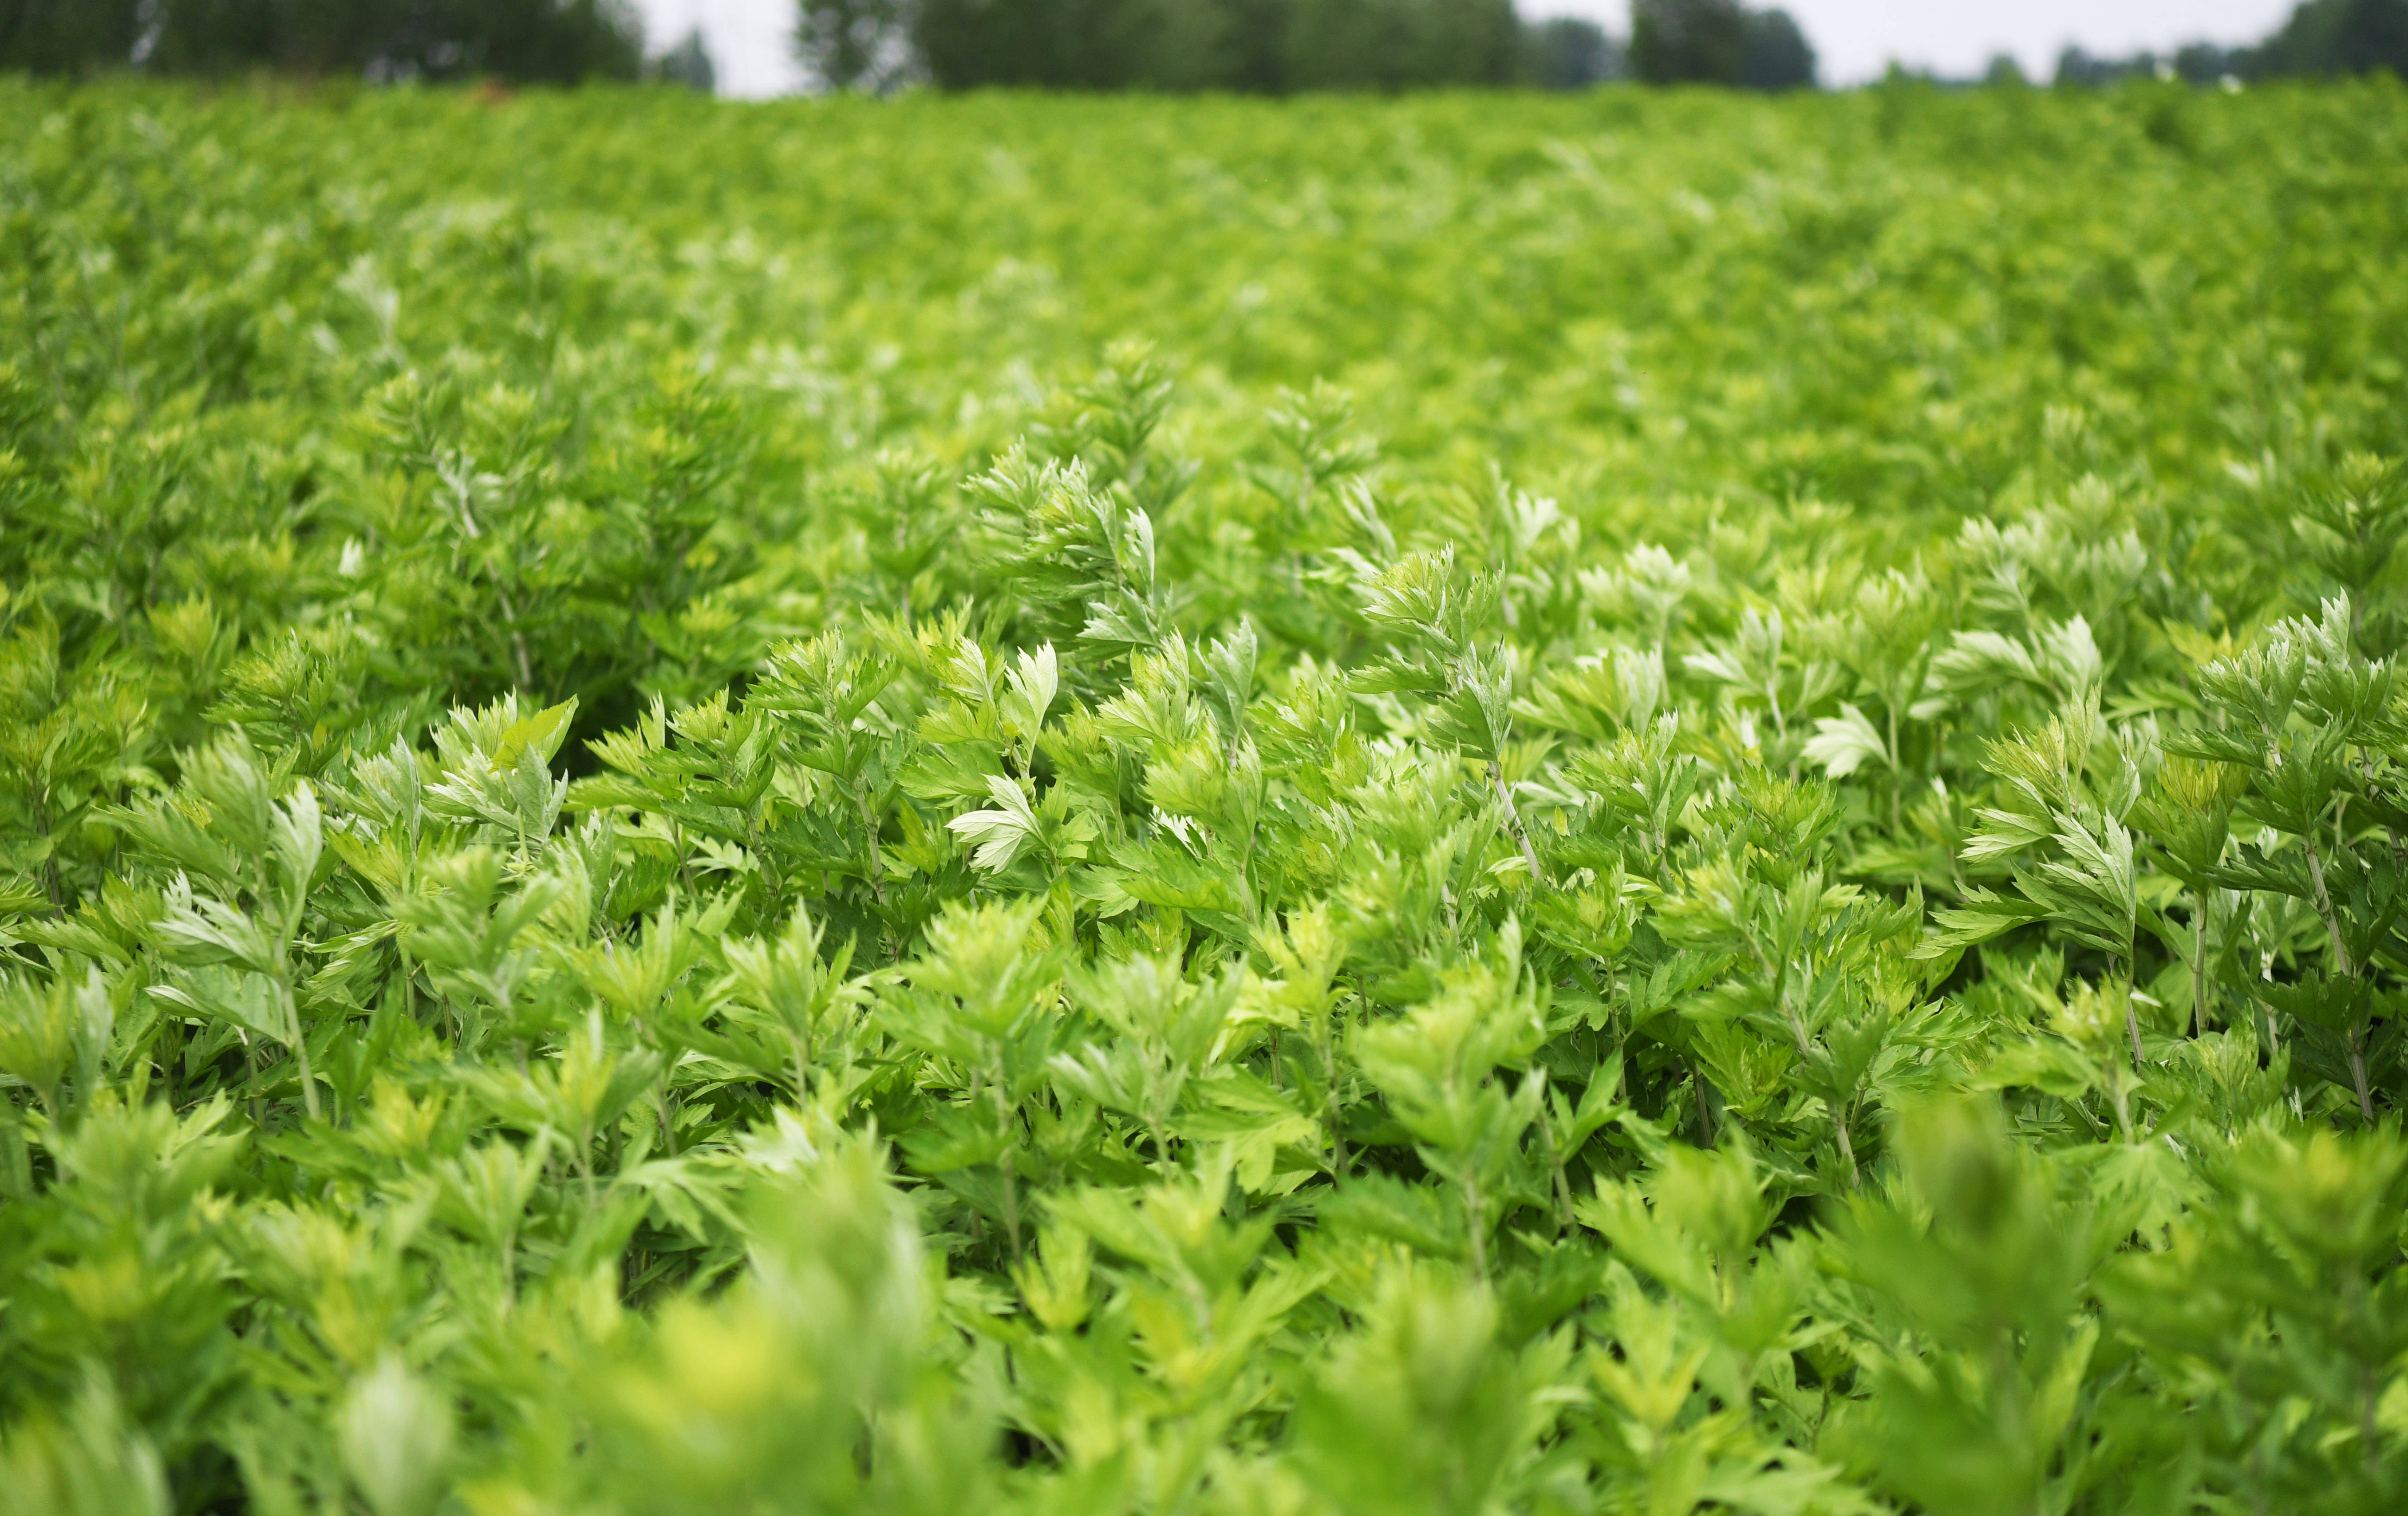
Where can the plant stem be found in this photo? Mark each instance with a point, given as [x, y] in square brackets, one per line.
[1897, 775]
[1329, 1088]
[869, 825]
[1514, 819]
[308, 1083]
[1479, 1226]
[2325, 909]
[1556, 1162]
[2341, 967]
[1011, 1203]
[50, 851]
[518, 639]
[2357, 1073]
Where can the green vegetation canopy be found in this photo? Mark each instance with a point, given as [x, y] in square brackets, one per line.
[1650, 800]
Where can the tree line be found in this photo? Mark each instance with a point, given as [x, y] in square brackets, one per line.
[1247, 46]
[2321, 39]
[1269, 47]
[524, 41]
[1277, 47]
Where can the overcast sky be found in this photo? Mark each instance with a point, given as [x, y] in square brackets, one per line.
[1855, 39]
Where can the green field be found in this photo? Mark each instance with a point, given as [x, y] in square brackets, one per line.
[1637, 802]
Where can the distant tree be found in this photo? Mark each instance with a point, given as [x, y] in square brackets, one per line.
[2205, 63]
[2372, 34]
[1571, 52]
[2340, 37]
[969, 43]
[1718, 42]
[1775, 54]
[2004, 73]
[2076, 67]
[525, 41]
[854, 44]
[688, 63]
[1687, 41]
[1262, 46]
[1399, 44]
[68, 36]
[2320, 39]
[1251, 48]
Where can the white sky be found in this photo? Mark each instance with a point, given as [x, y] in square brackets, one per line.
[750, 40]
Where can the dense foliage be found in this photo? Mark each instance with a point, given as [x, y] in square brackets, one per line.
[1281, 47]
[538, 41]
[1260, 47]
[1718, 42]
[2337, 36]
[676, 836]
[2319, 39]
